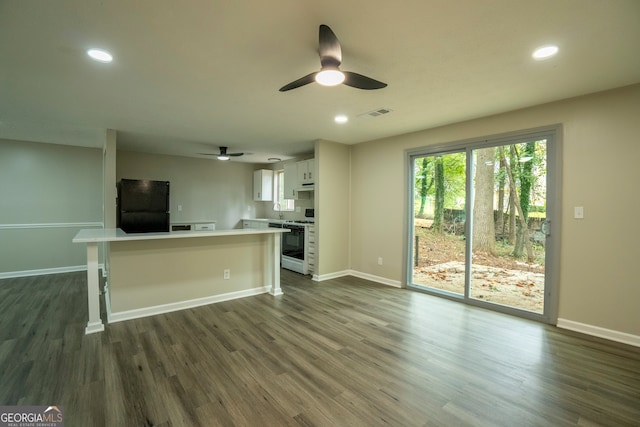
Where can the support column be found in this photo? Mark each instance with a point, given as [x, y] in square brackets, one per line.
[274, 264]
[93, 290]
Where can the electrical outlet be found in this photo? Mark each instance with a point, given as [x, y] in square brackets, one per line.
[379, 260]
[226, 274]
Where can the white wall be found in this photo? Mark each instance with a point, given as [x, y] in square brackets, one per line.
[599, 284]
[48, 193]
[332, 211]
[207, 189]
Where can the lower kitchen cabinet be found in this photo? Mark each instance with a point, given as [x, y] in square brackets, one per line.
[193, 226]
[311, 249]
[204, 226]
[251, 223]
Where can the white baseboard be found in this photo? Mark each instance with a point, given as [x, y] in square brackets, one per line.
[329, 276]
[94, 327]
[366, 276]
[377, 279]
[45, 271]
[182, 305]
[597, 331]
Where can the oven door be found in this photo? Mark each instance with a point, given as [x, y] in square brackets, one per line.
[293, 242]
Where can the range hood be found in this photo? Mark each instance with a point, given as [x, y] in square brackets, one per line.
[306, 187]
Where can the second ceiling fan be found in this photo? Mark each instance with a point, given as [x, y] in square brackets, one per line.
[223, 155]
[330, 73]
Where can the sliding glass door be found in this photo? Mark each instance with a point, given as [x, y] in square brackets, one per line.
[480, 223]
[439, 249]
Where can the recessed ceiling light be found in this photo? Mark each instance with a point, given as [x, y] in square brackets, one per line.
[100, 55]
[545, 52]
[274, 159]
[341, 118]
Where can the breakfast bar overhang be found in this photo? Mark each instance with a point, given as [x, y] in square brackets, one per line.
[154, 273]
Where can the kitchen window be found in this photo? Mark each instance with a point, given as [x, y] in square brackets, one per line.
[279, 202]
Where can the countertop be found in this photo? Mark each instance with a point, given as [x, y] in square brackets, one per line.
[117, 235]
[279, 221]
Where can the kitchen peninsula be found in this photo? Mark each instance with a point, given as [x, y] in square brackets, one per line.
[154, 273]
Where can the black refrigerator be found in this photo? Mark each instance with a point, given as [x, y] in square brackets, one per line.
[143, 206]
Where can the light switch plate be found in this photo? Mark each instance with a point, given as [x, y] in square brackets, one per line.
[578, 212]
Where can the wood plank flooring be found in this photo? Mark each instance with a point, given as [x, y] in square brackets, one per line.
[344, 352]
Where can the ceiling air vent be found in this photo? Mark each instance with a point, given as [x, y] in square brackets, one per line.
[375, 113]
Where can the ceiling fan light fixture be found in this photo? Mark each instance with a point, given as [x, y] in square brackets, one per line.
[544, 52]
[223, 157]
[330, 77]
[100, 55]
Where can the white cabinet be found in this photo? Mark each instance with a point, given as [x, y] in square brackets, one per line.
[263, 185]
[306, 171]
[290, 180]
[202, 226]
[311, 248]
[194, 226]
[251, 223]
[298, 177]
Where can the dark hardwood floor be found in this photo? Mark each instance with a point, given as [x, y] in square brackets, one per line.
[344, 352]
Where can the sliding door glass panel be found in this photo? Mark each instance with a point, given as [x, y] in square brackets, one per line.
[438, 244]
[508, 225]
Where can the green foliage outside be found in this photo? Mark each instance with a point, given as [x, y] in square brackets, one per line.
[440, 186]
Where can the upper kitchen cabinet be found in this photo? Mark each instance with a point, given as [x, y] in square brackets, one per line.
[299, 179]
[263, 185]
[290, 180]
[306, 172]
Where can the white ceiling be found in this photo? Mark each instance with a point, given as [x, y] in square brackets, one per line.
[189, 76]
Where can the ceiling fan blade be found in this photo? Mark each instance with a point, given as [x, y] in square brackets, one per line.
[208, 154]
[235, 154]
[329, 47]
[362, 82]
[309, 78]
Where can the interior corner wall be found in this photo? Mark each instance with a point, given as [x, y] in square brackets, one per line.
[332, 207]
[205, 189]
[109, 179]
[49, 192]
[598, 279]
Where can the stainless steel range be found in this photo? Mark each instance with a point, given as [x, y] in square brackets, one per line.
[294, 244]
[293, 248]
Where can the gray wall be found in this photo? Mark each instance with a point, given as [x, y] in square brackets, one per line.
[48, 193]
[598, 286]
[207, 189]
